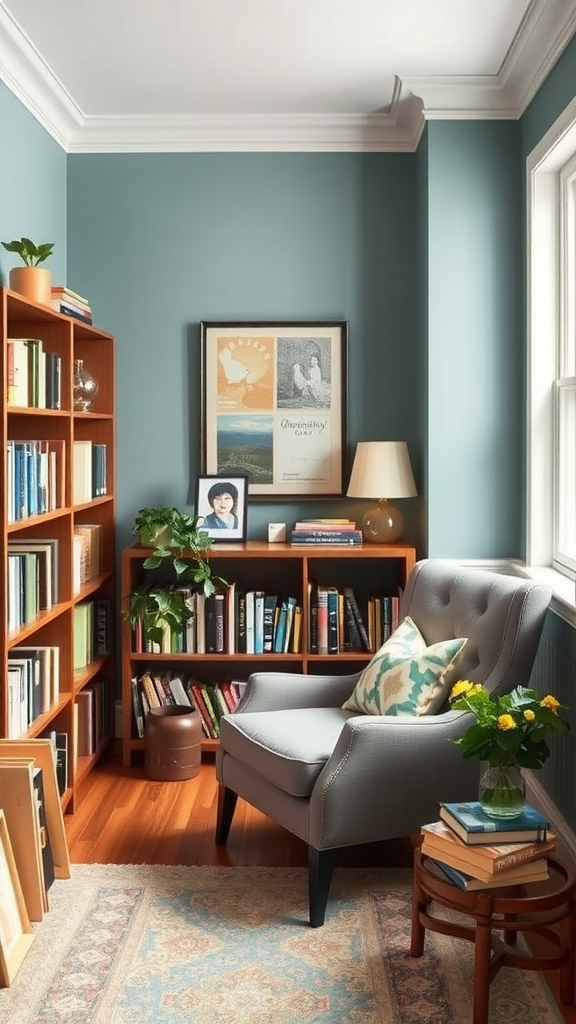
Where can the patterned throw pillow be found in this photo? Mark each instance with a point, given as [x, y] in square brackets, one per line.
[405, 677]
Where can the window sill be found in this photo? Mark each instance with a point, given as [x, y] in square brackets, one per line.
[564, 589]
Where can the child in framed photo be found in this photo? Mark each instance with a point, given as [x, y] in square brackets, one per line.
[222, 506]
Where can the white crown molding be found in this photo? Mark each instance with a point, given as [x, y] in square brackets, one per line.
[374, 133]
[32, 82]
[543, 35]
[547, 28]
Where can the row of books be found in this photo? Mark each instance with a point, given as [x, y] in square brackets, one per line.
[232, 622]
[92, 707]
[336, 623]
[89, 471]
[91, 631]
[472, 851]
[32, 579]
[35, 477]
[33, 685]
[211, 700]
[86, 554]
[61, 747]
[65, 300]
[326, 531]
[34, 377]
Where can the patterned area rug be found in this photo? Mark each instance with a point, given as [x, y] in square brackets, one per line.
[162, 945]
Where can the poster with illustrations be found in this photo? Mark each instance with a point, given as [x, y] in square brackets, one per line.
[274, 401]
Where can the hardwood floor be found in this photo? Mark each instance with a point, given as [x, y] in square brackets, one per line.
[124, 818]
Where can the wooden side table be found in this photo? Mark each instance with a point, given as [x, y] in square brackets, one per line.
[535, 907]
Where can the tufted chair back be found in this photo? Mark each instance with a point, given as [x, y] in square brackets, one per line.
[501, 616]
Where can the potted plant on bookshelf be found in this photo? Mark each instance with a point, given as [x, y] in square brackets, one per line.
[179, 546]
[509, 734]
[31, 280]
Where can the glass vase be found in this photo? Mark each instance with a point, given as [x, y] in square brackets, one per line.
[502, 790]
[85, 386]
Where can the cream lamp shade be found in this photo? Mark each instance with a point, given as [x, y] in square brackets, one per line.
[382, 468]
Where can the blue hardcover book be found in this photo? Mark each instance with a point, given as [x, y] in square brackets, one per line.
[468, 820]
[280, 633]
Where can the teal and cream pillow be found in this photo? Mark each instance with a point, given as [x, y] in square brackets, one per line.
[405, 676]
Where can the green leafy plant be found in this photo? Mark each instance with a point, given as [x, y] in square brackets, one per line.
[179, 544]
[508, 729]
[31, 254]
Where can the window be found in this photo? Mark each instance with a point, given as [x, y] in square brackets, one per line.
[551, 428]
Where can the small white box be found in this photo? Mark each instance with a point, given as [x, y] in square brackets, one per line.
[276, 533]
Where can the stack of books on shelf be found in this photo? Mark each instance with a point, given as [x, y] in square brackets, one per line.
[33, 685]
[478, 852]
[33, 376]
[64, 300]
[155, 688]
[34, 477]
[89, 471]
[86, 554]
[326, 531]
[92, 712]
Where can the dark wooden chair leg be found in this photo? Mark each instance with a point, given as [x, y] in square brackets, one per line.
[226, 807]
[320, 867]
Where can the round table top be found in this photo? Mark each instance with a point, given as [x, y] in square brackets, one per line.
[519, 898]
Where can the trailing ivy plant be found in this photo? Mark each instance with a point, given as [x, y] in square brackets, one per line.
[178, 542]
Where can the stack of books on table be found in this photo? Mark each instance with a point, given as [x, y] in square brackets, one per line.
[478, 852]
[64, 300]
[326, 531]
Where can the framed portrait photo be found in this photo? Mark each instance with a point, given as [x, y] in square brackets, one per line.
[274, 405]
[221, 504]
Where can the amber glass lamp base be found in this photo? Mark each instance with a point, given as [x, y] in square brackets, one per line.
[382, 524]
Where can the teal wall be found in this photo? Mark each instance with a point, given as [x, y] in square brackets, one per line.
[176, 239]
[32, 187]
[421, 253]
[551, 99]
[475, 348]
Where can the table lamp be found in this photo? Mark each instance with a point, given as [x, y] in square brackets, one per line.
[382, 467]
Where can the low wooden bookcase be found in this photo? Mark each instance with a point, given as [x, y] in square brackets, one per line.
[271, 568]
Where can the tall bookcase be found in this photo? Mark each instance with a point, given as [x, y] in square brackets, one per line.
[272, 568]
[58, 429]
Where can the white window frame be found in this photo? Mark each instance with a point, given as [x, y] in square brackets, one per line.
[549, 174]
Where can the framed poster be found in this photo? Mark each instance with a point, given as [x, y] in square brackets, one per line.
[222, 506]
[274, 405]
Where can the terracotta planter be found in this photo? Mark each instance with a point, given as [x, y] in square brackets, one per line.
[33, 282]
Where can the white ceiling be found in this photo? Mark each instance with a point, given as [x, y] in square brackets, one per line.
[185, 75]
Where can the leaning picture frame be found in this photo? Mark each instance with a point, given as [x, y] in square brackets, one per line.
[274, 405]
[222, 506]
[16, 933]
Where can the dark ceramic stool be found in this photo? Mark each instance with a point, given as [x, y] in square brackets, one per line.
[172, 737]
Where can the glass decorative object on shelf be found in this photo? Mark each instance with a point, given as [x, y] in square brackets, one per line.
[85, 387]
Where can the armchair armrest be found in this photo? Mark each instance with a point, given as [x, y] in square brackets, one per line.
[415, 757]
[282, 691]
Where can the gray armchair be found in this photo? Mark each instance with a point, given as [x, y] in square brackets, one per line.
[338, 778]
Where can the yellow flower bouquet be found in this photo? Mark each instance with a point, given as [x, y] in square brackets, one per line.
[508, 729]
[509, 734]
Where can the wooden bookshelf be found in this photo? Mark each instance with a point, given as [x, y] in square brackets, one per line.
[54, 626]
[273, 568]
